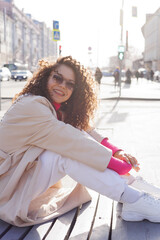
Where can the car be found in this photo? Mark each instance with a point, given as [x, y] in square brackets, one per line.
[123, 73]
[5, 74]
[142, 72]
[107, 74]
[157, 76]
[20, 75]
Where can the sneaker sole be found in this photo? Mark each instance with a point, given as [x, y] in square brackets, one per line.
[129, 216]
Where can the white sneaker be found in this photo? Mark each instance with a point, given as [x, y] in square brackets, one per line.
[141, 184]
[146, 207]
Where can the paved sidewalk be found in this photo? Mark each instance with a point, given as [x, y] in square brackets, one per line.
[5, 104]
[143, 89]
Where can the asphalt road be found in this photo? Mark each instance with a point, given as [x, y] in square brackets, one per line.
[10, 88]
[141, 89]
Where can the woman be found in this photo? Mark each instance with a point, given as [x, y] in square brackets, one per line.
[98, 75]
[46, 135]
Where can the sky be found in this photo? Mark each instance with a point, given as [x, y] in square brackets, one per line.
[92, 23]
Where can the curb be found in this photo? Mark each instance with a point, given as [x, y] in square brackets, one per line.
[131, 98]
[9, 98]
[112, 98]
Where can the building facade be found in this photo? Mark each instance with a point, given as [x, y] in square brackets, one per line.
[151, 33]
[23, 39]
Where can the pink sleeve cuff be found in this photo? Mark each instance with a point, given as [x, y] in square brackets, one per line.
[107, 144]
[119, 166]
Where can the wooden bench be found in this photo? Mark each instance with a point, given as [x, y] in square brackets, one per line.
[90, 221]
[137, 130]
[97, 220]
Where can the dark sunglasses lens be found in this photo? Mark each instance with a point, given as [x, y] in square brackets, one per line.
[70, 85]
[58, 79]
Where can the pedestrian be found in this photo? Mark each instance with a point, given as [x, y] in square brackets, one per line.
[137, 75]
[142, 74]
[98, 75]
[46, 134]
[116, 75]
[151, 74]
[128, 76]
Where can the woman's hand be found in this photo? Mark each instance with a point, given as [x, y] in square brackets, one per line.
[128, 158]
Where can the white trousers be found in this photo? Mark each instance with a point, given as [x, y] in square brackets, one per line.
[54, 167]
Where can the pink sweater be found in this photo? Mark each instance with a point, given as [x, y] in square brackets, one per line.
[118, 165]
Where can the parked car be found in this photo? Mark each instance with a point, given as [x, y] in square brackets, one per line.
[5, 74]
[107, 74]
[142, 73]
[123, 73]
[156, 76]
[20, 75]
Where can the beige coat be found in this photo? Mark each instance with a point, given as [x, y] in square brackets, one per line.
[28, 128]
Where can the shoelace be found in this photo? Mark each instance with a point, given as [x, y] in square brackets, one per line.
[151, 199]
[141, 180]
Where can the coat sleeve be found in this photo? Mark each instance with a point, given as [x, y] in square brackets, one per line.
[96, 135]
[36, 125]
[103, 140]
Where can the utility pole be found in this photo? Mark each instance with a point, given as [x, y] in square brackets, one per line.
[121, 21]
[121, 53]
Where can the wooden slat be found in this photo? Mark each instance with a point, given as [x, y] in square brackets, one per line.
[16, 233]
[61, 228]
[4, 227]
[123, 230]
[85, 218]
[39, 231]
[101, 227]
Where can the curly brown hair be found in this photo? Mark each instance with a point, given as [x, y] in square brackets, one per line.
[81, 106]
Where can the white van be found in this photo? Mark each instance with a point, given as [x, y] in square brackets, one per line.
[5, 74]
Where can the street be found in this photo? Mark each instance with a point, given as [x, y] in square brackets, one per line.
[142, 89]
[7, 91]
[10, 88]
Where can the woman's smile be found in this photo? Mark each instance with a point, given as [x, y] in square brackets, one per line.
[60, 84]
[59, 92]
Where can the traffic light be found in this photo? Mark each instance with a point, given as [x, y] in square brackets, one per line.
[60, 50]
[121, 52]
[121, 55]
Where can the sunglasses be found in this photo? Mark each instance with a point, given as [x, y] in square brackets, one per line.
[59, 80]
